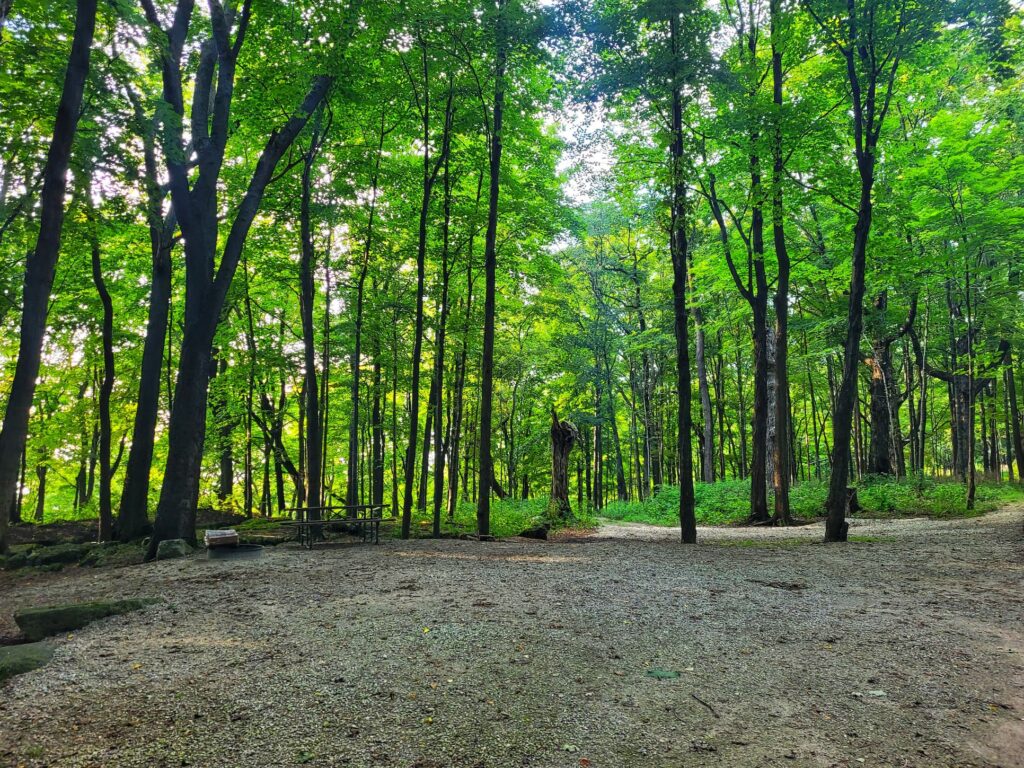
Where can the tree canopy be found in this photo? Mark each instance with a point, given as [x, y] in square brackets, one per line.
[258, 255]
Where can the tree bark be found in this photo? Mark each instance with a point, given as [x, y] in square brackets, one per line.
[41, 472]
[564, 436]
[133, 512]
[439, 349]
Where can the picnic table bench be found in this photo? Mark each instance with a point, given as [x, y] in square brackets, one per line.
[311, 522]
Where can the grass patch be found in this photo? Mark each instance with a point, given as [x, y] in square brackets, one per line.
[509, 517]
[728, 502]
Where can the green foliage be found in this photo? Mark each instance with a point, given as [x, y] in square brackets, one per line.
[509, 517]
[584, 280]
[728, 502]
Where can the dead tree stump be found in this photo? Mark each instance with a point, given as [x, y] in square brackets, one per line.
[564, 436]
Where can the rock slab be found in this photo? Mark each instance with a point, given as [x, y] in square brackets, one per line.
[17, 659]
[37, 623]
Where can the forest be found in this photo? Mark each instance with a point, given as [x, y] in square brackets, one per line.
[553, 383]
[258, 256]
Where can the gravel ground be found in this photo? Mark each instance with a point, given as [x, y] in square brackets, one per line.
[905, 650]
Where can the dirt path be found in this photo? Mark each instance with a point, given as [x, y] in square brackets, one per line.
[903, 650]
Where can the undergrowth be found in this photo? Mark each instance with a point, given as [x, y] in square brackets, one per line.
[727, 502]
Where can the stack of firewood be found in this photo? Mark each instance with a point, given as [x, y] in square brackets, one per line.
[215, 539]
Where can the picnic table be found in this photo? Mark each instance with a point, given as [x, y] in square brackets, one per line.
[311, 522]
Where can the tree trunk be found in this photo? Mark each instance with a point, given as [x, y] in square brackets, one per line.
[377, 430]
[41, 470]
[679, 248]
[133, 513]
[313, 442]
[1014, 417]
[783, 435]
[429, 177]
[106, 514]
[708, 447]
[564, 436]
[442, 321]
[42, 261]
[224, 420]
[483, 511]
[836, 526]
[204, 299]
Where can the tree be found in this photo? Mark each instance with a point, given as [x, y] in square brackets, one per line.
[872, 38]
[42, 261]
[195, 205]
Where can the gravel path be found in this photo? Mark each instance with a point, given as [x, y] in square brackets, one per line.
[906, 650]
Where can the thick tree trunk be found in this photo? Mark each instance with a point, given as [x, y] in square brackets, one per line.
[564, 436]
[759, 426]
[133, 513]
[42, 261]
[883, 403]
[179, 492]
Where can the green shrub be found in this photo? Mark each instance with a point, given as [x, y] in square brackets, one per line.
[727, 502]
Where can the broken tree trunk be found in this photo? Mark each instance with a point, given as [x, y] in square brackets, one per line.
[564, 436]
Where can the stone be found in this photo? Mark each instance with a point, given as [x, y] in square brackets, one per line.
[15, 560]
[17, 659]
[537, 532]
[61, 554]
[172, 548]
[37, 623]
[113, 554]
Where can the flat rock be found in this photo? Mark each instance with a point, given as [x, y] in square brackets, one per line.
[17, 659]
[37, 623]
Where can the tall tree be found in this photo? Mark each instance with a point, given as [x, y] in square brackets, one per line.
[42, 261]
[486, 464]
[871, 37]
[195, 204]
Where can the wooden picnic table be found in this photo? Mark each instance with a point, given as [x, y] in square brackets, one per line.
[310, 522]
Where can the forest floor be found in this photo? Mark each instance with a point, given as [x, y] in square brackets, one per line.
[621, 649]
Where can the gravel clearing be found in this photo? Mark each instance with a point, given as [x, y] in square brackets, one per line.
[767, 648]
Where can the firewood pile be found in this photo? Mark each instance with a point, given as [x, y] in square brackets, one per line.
[218, 539]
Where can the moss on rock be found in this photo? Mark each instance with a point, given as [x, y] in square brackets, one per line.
[17, 659]
[61, 554]
[37, 623]
[172, 548]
